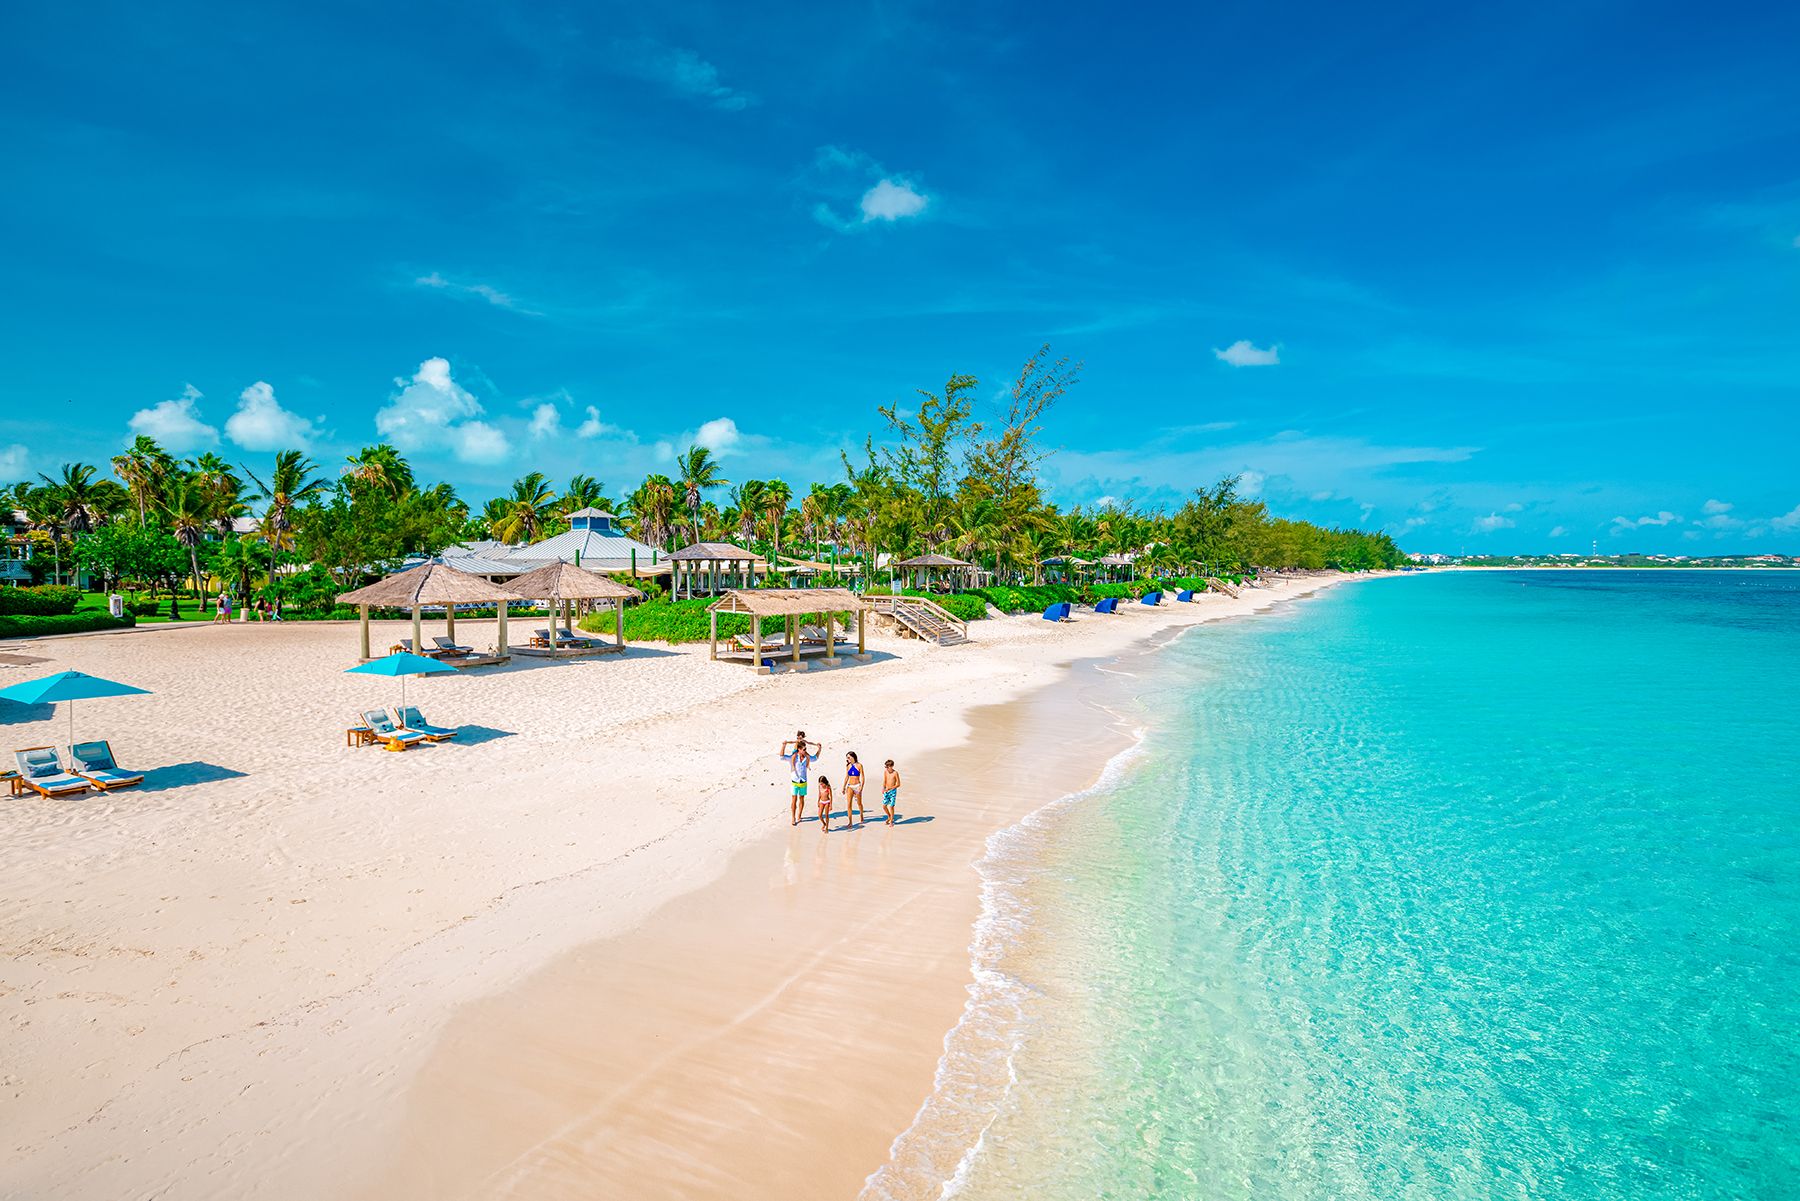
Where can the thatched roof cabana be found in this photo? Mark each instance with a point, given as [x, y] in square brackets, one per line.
[933, 560]
[708, 557]
[790, 604]
[559, 582]
[430, 583]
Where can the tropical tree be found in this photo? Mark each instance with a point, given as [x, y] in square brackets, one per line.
[189, 509]
[583, 492]
[82, 498]
[224, 491]
[143, 467]
[524, 513]
[290, 486]
[652, 509]
[381, 468]
[699, 473]
[775, 498]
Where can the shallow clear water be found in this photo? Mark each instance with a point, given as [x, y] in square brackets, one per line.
[1467, 885]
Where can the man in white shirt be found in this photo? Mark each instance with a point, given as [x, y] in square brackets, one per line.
[800, 761]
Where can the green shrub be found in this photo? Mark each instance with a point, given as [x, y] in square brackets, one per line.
[36, 626]
[965, 606]
[688, 621]
[1033, 598]
[46, 601]
[143, 608]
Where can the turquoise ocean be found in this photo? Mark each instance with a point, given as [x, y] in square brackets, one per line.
[1466, 885]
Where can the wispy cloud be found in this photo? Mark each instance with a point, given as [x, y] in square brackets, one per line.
[432, 412]
[1244, 353]
[15, 463]
[1664, 517]
[679, 70]
[891, 198]
[1492, 522]
[1787, 521]
[487, 292]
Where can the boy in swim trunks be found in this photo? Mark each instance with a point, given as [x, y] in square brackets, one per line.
[799, 761]
[890, 790]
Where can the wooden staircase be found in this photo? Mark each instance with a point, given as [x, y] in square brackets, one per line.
[1218, 585]
[925, 619]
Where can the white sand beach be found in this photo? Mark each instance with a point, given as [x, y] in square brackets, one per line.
[535, 962]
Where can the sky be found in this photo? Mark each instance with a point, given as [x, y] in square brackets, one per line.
[1492, 278]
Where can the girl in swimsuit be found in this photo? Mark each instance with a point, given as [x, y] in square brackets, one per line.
[825, 804]
[853, 789]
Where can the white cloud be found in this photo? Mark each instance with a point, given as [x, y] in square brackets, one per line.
[890, 201]
[1514, 507]
[546, 421]
[176, 423]
[1714, 508]
[432, 411]
[1492, 522]
[260, 422]
[593, 427]
[1787, 521]
[1797, 241]
[1325, 495]
[720, 435]
[492, 295]
[681, 71]
[1243, 353]
[1559, 531]
[1250, 483]
[1107, 502]
[1621, 524]
[14, 464]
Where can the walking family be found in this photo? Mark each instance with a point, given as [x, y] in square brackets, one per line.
[800, 755]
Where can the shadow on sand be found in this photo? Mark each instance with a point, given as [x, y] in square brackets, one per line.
[181, 775]
[476, 735]
[12, 713]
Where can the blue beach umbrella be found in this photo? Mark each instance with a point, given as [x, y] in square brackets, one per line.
[402, 664]
[69, 687]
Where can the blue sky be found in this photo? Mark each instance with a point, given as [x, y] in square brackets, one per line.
[1517, 278]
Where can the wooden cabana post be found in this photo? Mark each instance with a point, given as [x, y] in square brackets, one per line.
[562, 584]
[430, 583]
[790, 605]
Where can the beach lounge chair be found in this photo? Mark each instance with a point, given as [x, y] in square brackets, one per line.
[388, 734]
[1058, 612]
[406, 644]
[1109, 605]
[1185, 596]
[93, 762]
[413, 722]
[1152, 598]
[41, 771]
[815, 635]
[447, 647]
[745, 642]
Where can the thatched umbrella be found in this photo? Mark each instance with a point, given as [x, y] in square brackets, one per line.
[561, 582]
[688, 560]
[430, 583]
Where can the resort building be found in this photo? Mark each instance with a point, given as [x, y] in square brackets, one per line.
[593, 540]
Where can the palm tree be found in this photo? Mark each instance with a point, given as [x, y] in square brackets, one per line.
[224, 490]
[79, 495]
[290, 485]
[382, 468]
[653, 509]
[747, 498]
[143, 467]
[526, 509]
[43, 510]
[699, 473]
[776, 495]
[583, 492]
[189, 509]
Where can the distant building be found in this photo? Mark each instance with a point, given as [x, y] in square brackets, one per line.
[593, 540]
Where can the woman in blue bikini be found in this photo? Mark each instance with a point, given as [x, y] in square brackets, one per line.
[853, 789]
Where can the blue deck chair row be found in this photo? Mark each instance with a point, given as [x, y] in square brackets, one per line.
[1061, 611]
[91, 765]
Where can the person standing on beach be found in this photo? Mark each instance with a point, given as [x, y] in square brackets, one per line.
[825, 805]
[853, 790]
[890, 790]
[799, 761]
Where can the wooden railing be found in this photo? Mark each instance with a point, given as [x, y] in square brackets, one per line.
[926, 618]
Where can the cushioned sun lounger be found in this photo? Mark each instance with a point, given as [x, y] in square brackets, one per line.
[41, 771]
[446, 646]
[388, 732]
[93, 761]
[413, 722]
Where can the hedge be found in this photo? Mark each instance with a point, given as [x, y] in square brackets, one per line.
[688, 621]
[35, 626]
[46, 601]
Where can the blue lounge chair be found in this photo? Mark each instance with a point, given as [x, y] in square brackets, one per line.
[390, 735]
[1152, 598]
[1058, 612]
[1185, 596]
[41, 771]
[413, 722]
[1109, 605]
[93, 762]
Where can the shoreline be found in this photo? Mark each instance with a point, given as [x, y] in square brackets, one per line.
[197, 1088]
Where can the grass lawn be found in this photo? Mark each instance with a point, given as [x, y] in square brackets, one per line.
[95, 602]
